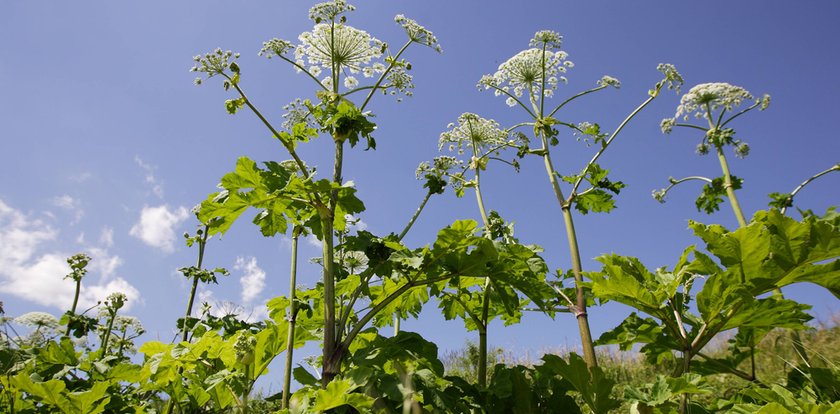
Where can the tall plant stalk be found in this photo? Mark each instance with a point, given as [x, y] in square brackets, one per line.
[579, 306]
[485, 306]
[290, 346]
[202, 242]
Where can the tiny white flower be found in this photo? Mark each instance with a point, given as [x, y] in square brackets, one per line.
[350, 82]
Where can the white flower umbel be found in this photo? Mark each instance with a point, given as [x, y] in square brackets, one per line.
[38, 320]
[534, 72]
[338, 47]
[714, 95]
[473, 130]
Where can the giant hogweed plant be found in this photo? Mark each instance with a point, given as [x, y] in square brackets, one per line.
[759, 258]
[480, 300]
[396, 279]
[528, 81]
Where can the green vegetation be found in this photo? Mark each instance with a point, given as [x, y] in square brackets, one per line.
[727, 286]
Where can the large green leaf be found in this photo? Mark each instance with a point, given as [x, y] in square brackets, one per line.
[775, 251]
[594, 387]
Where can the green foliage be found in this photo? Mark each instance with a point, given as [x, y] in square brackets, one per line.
[772, 252]
[713, 193]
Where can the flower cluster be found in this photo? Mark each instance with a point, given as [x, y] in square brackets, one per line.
[400, 81]
[115, 301]
[607, 80]
[714, 95]
[418, 33]
[549, 39]
[126, 323]
[328, 11]
[338, 47]
[354, 261]
[473, 130]
[296, 113]
[244, 348]
[78, 263]
[275, 47]
[439, 167]
[38, 320]
[672, 77]
[534, 71]
[667, 125]
[213, 63]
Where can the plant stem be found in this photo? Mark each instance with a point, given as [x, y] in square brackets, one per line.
[730, 192]
[414, 217]
[331, 360]
[485, 306]
[402, 235]
[107, 334]
[806, 182]
[75, 303]
[290, 346]
[579, 307]
[201, 243]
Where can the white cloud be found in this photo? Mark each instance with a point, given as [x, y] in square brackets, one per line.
[106, 237]
[313, 241]
[253, 281]
[157, 187]
[103, 262]
[71, 204]
[26, 271]
[157, 225]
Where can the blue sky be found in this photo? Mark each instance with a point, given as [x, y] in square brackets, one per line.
[107, 144]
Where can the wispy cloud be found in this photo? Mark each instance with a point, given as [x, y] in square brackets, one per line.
[106, 237]
[70, 204]
[80, 177]
[29, 272]
[156, 226]
[151, 179]
[253, 279]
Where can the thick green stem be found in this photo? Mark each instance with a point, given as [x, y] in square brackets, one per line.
[580, 298]
[485, 306]
[730, 191]
[330, 340]
[331, 366]
[580, 295]
[482, 357]
[75, 303]
[290, 345]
